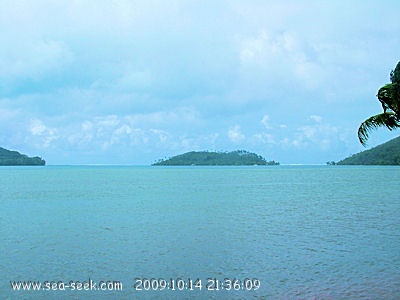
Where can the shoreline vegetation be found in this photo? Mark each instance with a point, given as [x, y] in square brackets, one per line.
[207, 158]
[14, 158]
[382, 155]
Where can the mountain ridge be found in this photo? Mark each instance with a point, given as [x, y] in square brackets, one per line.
[14, 158]
[384, 154]
[207, 158]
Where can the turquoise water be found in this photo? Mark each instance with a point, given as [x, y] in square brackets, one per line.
[313, 232]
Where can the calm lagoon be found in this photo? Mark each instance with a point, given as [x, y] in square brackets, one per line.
[305, 232]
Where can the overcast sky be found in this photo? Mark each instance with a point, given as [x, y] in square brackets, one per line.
[129, 82]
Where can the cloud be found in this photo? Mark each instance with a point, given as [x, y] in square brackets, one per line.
[265, 121]
[157, 130]
[113, 130]
[235, 135]
[33, 59]
[144, 78]
[42, 136]
[316, 118]
[320, 136]
[284, 53]
[265, 138]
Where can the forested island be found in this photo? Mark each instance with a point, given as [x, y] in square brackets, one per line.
[384, 154]
[14, 158]
[206, 158]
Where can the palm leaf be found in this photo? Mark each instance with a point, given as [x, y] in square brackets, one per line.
[387, 119]
[389, 96]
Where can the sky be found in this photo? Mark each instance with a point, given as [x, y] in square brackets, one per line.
[131, 82]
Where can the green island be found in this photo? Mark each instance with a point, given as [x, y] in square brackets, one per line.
[206, 158]
[384, 154]
[14, 158]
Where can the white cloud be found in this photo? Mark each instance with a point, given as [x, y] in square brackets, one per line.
[42, 136]
[266, 47]
[316, 118]
[106, 122]
[318, 136]
[163, 135]
[37, 127]
[265, 138]
[123, 130]
[235, 135]
[110, 75]
[285, 54]
[119, 131]
[265, 121]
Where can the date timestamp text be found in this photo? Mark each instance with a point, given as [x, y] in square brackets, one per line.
[210, 284]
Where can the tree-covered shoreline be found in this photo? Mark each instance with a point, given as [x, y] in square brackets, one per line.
[206, 158]
[385, 154]
[14, 158]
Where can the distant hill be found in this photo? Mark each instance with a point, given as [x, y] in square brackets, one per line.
[384, 154]
[206, 158]
[14, 158]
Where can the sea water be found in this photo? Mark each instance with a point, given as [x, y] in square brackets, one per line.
[282, 232]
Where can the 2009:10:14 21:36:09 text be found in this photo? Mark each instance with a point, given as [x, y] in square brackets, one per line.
[212, 284]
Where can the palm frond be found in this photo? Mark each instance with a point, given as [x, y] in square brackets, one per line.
[387, 119]
[389, 96]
